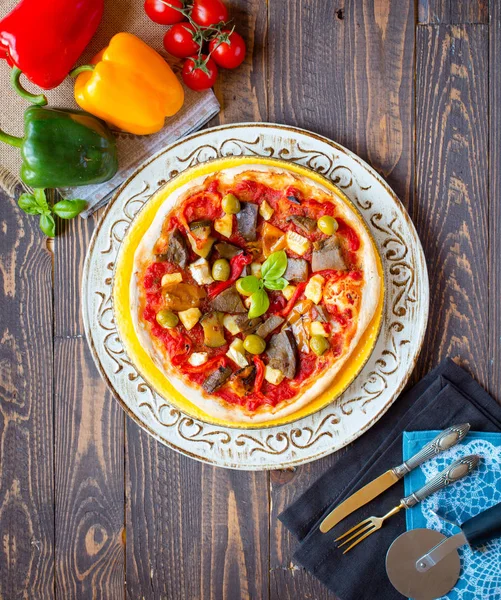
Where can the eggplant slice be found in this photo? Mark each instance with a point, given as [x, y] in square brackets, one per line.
[283, 353]
[297, 269]
[327, 255]
[177, 250]
[227, 251]
[247, 221]
[228, 301]
[269, 326]
[216, 379]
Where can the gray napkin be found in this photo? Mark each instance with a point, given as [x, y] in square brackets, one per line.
[447, 395]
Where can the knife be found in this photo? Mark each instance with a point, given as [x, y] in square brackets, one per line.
[475, 531]
[444, 440]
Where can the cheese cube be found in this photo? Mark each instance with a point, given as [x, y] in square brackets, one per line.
[236, 353]
[265, 210]
[297, 243]
[189, 318]
[200, 271]
[230, 322]
[317, 328]
[224, 225]
[198, 358]
[314, 287]
[256, 269]
[171, 278]
[273, 376]
[288, 292]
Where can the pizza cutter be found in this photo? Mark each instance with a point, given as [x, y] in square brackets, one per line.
[423, 564]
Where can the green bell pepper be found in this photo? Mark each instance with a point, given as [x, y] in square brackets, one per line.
[64, 148]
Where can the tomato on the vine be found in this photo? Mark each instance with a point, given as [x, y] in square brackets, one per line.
[208, 12]
[164, 11]
[228, 49]
[199, 73]
[179, 41]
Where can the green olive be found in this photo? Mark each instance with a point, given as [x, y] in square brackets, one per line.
[167, 319]
[221, 270]
[319, 344]
[231, 204]
[254, 344]
[240, 289]
[327, 225]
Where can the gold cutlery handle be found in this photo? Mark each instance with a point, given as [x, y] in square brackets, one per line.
[444, 440]
[459, 469]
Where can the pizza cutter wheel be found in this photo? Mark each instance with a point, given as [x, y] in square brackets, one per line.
[423, 564]
[401, 566]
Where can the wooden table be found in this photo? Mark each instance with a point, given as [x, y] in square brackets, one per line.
[91, 507]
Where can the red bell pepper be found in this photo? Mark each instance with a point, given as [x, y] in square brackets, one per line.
[294, 298]
[258, 382]
[43, 39]
[212, 365]
[237, 264]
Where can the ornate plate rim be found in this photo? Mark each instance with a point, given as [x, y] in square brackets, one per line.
[144, 425]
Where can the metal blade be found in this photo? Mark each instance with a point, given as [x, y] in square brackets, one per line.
[358, 499]
[401, 566]
[440, 551]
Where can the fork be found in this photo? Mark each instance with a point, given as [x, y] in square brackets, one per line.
[457, 470]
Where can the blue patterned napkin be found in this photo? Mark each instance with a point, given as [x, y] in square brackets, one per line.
[480, 577]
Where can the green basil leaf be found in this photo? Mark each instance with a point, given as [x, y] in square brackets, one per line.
[68, 209]
[250, 284]
[274, 266]
[28, 203]
[259, 304]
[48, 225]
[276, 284]
[43, 205]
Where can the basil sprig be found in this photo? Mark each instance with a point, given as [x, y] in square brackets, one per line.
[36, 204]
[272, 271]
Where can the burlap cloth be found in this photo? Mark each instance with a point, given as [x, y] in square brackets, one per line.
[119, 15]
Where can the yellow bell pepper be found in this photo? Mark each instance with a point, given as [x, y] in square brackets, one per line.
[129, 85]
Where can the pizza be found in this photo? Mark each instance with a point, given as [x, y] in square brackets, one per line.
[251, 288]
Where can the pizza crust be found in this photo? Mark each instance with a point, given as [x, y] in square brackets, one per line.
[217, 408]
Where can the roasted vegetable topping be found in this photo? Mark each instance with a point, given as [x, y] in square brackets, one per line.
[327, 255]
[304, 223]
[319, 344]
[283, 354]
[297, 269]
[247, 221]
[181, 296]
[177, 251]
[213, 330]
[216, 379]
[228, 302]
[269, 326]
[227, 250]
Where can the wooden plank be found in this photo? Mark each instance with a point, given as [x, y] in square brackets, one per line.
[195, 531]
[358, 90]
[89, 443]
[451, 207]
[453, 12]
[495, 201]
[26, 411]
[89, 479]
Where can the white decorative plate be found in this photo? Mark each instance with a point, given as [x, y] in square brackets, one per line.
[381, 379]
